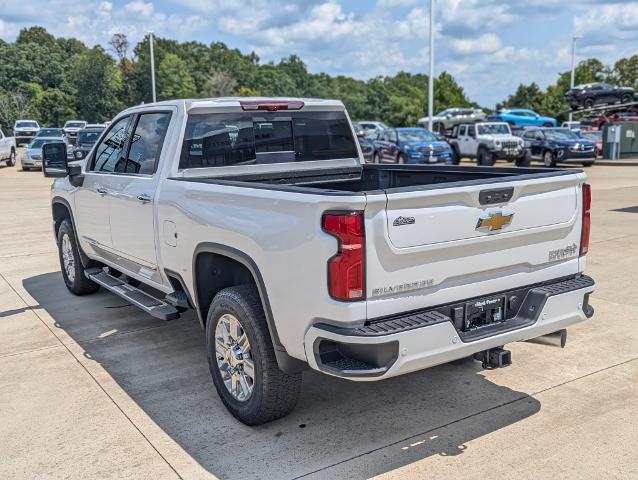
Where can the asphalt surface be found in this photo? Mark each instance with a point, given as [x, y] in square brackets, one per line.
[90, 387]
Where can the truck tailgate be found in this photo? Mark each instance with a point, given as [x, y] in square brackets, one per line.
[443, 244]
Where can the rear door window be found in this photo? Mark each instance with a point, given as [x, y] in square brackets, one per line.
[226, 139]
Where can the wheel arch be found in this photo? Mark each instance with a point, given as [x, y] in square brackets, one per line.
[61, 210]
[215, 267]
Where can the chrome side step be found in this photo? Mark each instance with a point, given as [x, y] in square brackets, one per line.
[142, 300]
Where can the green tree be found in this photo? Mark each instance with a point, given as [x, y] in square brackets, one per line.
[526, 96]
[53, 107]
[173, 79]
[97, 80]
[625, 71]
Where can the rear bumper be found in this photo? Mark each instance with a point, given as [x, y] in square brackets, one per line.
[417, 340]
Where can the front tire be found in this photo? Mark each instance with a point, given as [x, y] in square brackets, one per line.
[12, 158]
[70, 262]
[375, 158]
[547, 124]
[400, 159]
[242, 360]
[26, 169]
[626, 98]
[485, 158]
[524, 161]
[589, 103]
[456, 158]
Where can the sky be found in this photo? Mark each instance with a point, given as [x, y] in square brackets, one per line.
[489, 46]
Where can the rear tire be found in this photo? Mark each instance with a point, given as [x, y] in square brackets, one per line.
[589, 103]
[242, 360]
[456, 158]
[626, 98]
[485, 158]
[548, 159]
[71, 263]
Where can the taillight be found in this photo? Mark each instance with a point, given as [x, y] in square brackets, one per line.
[271, 106]
[346, 268]
[584, 236]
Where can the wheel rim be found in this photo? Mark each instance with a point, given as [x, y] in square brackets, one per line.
[12, 158]
[68, 259]
[234, 357]
[548, 159]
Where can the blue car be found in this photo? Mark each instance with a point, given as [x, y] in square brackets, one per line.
[410, 145]
[522, 117]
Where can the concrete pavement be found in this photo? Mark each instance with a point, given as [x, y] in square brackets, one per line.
[90, 387]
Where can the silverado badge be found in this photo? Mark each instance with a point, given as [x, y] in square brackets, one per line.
[494, 221]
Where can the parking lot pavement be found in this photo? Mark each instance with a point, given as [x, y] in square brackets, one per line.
[92, 388]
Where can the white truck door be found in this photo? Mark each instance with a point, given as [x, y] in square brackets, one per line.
[4, 146]
[471, 144]
[93, 198]
[133, 194]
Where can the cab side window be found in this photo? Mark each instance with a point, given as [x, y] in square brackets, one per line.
[146, 143]
[109, 155]
[471, 131]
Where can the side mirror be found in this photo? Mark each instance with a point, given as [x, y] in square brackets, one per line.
[54, 161]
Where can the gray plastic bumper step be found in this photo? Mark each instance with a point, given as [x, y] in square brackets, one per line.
[137, 297]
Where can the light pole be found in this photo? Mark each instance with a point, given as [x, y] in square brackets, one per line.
[571, 85]
[150, 41]
[431, 77]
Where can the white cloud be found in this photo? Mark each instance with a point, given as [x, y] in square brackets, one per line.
[488, 42]
[139, 8]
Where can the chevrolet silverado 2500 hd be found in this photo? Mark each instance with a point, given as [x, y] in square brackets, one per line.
[261, 215]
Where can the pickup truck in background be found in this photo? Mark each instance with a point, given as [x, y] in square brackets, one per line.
[7, 149]
[24, 131]
[260, 215]
[487, 142]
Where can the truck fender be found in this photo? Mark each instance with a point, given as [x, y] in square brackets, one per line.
[57, 203]
[286, 363]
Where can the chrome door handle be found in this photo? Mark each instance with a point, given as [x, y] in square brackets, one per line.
[102, 191]
[144, 198]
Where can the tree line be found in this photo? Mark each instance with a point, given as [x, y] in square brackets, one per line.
[55, 79]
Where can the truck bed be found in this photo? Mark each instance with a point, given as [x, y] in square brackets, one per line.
[377, 178]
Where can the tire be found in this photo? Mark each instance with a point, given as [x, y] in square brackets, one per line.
[271, 393]
[438, 127]
[456, 158]
[626, 98]
[11, 161]
[26, 169]
[548, 159]
[375, 158]
[400, 159]
[511, 124]
[547, 124]
[588, 103]
[485, 158]
[70, 262]
[588, 164]
[524, 161]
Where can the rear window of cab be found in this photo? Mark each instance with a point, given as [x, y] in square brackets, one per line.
[251, 138]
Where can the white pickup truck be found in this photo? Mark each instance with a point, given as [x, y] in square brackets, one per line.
[261, 215]
[7, 149]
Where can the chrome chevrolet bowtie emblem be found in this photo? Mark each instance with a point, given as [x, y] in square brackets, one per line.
[494, 221]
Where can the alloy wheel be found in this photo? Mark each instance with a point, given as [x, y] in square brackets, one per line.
[234, 357]
[68, 258]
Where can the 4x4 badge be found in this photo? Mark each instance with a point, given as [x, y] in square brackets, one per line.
[403, 221]
[494, 221]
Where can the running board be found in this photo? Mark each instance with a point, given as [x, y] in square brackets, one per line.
[144, 301]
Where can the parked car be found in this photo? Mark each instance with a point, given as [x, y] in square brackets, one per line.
[50, 132]
[72, 127]
[591, 94]
[595, 136]
[294, 254]
[559, 145]
[599, 121]
[410, 145]
[7, 149]
[24, 131]
[575, 126]
[487, 142]
[372, 129]
[32, 155]
[85, 140]
[446, 120]
[522, 117]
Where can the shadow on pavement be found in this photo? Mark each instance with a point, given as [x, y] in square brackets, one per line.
[162, 366]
